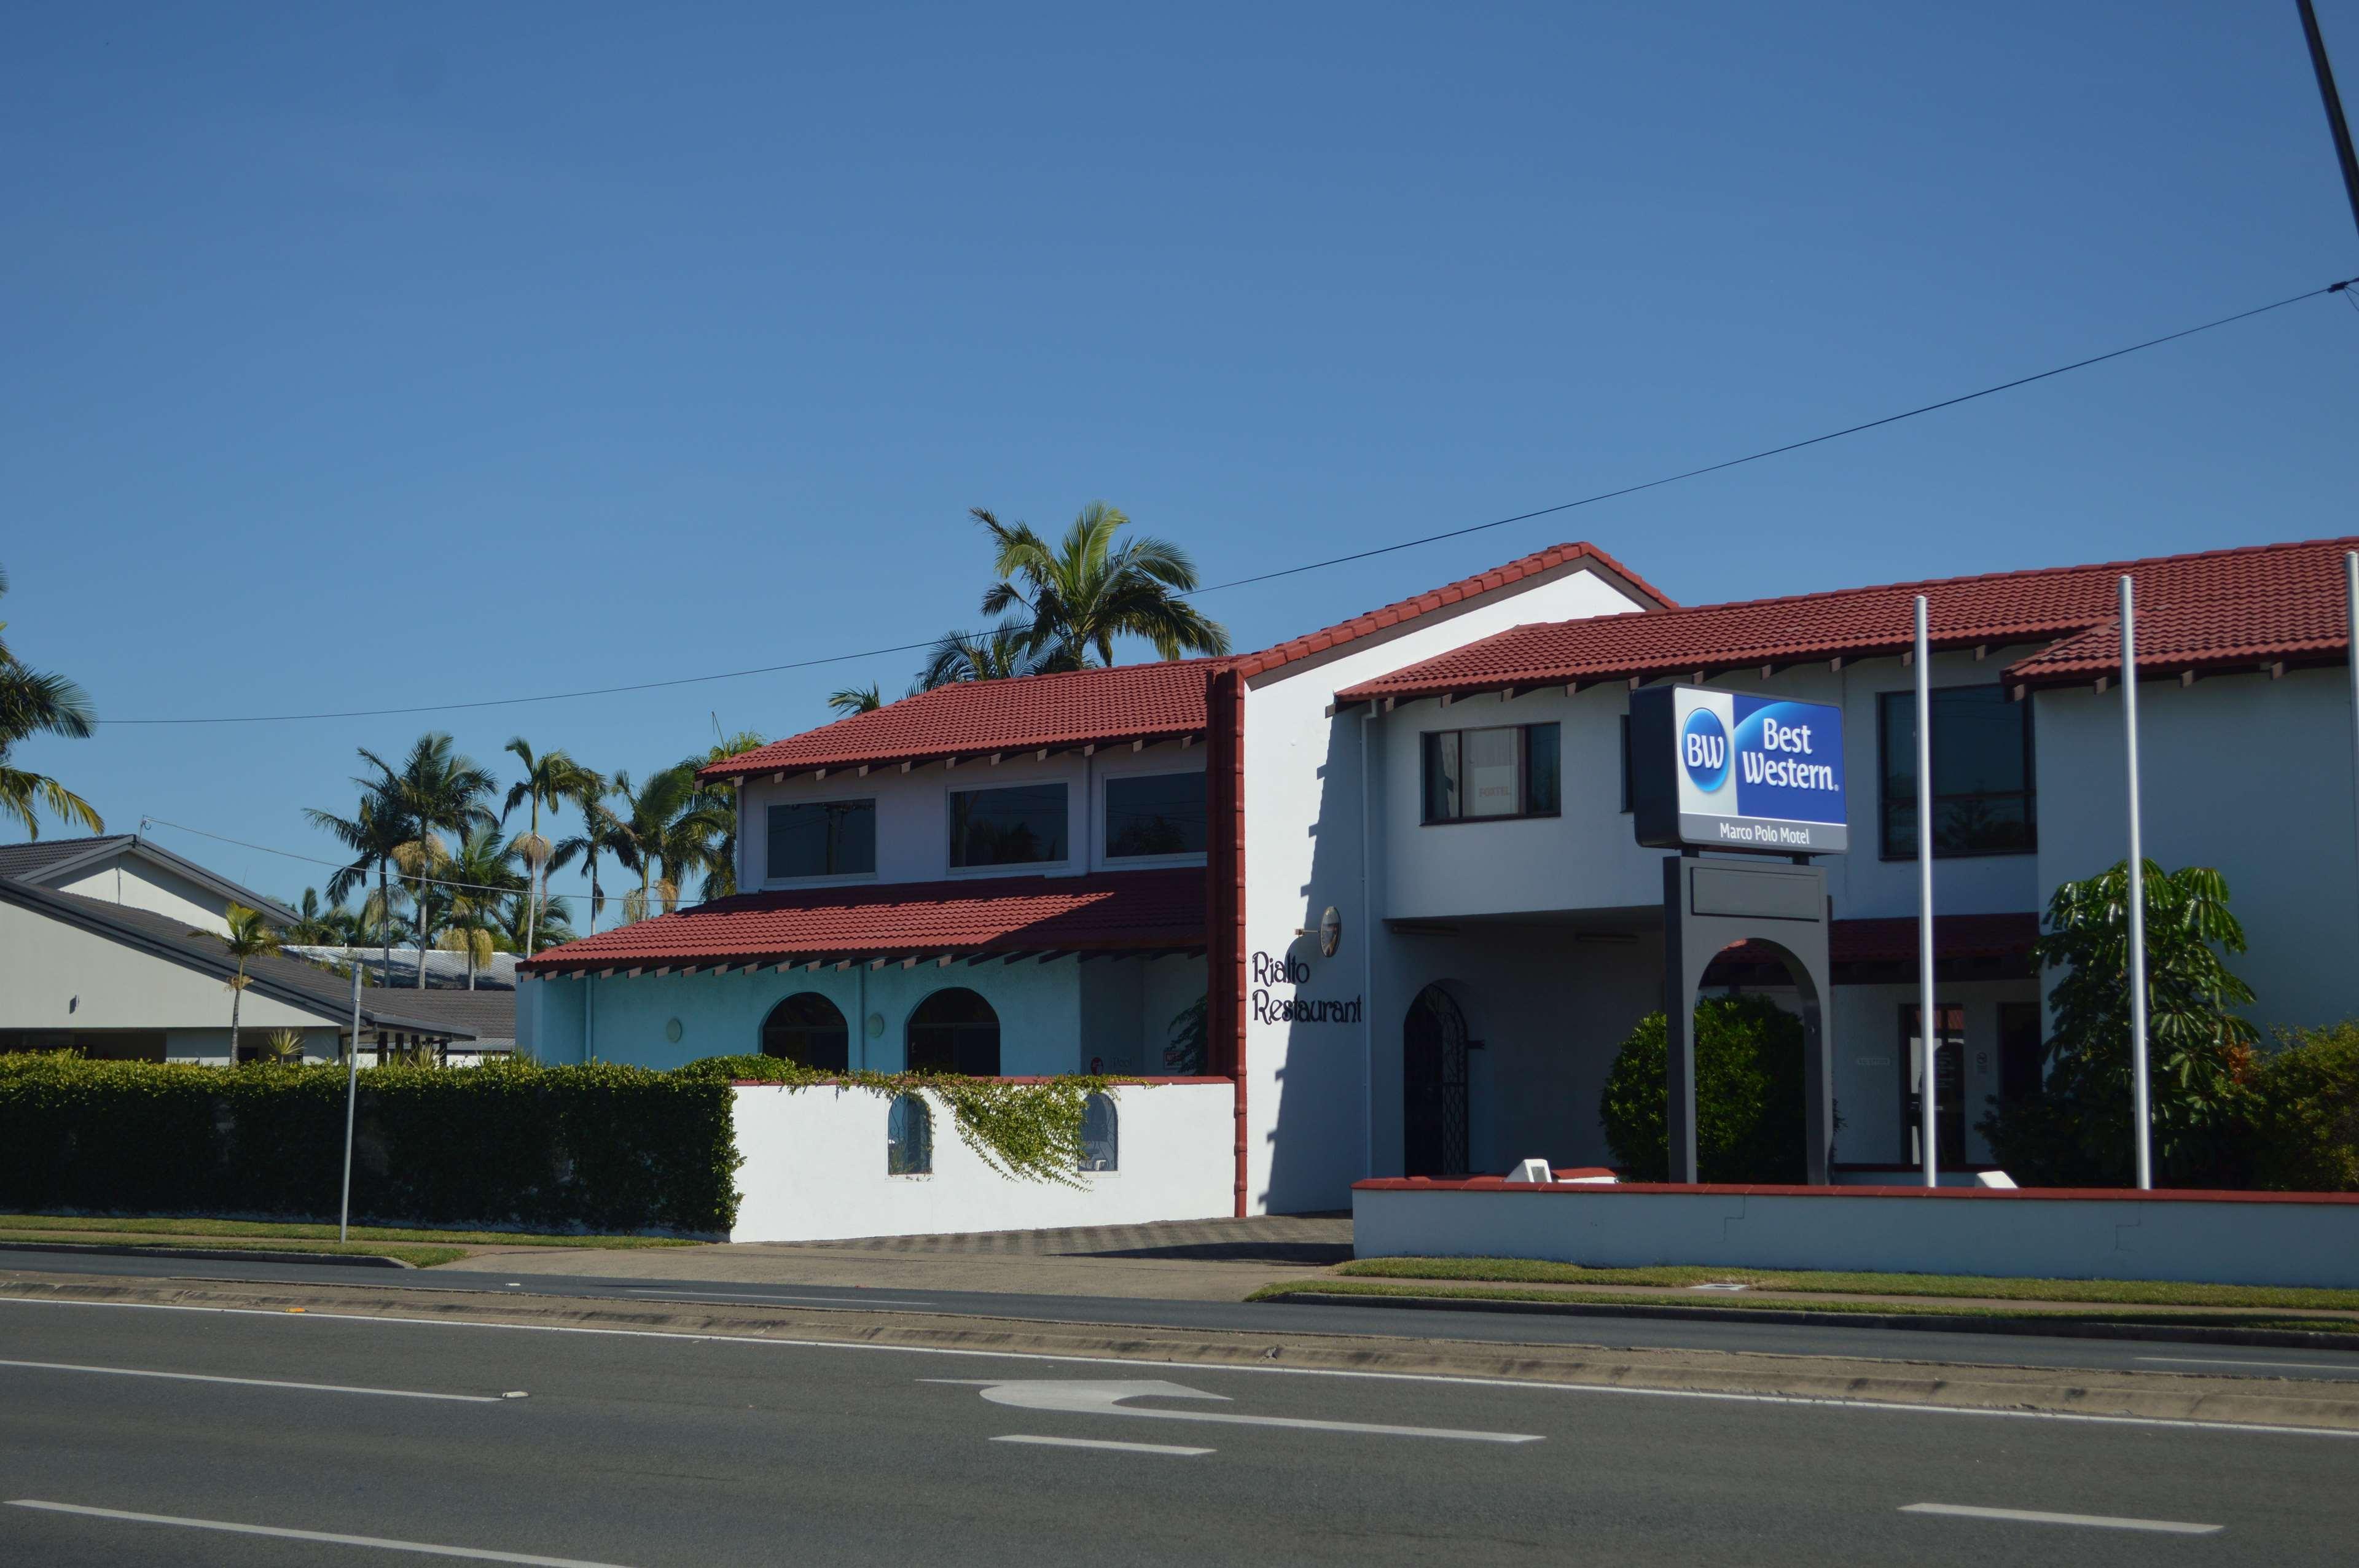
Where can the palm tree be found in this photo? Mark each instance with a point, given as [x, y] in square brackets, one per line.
[437, 790]
[720, 799]
[317, 925]
[374, 833]
[1003, 652]
[250, 937]
[600, 835]
[665, 831]
[551, 779]
[33, 702]
[479, 877]
[854, 699]
[555, 922]
[1085, 591]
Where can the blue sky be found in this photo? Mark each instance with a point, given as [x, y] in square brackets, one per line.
[442, 353]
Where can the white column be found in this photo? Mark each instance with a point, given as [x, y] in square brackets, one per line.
[1929, 1031]
[2140, 1118]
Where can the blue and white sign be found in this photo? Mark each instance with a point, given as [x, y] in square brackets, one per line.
[1748, 773]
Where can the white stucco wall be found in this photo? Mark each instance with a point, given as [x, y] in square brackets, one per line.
[58, 976]
[913, 812]
[2281, 1240]
[2246, 774]
[1042, 1027]
[129, 880]
[815, 1169]
[1308, 1082]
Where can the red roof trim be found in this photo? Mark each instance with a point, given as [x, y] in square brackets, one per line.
[1392, 614]
[1968, 1195]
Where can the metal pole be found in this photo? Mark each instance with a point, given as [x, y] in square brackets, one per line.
[1928, 1024]
[352, 1094]
[2335, 125]
[2351, 603]
[2139, 1111]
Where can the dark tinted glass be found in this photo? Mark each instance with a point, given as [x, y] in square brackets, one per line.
[1008, 826]
[823, 838]
[1540, 745]
[1984, 800]
[1162, 814]
[954, 1031]
[1442, 798]
[808, 1028]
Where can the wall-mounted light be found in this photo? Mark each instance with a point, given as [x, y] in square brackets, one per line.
[672, 1030]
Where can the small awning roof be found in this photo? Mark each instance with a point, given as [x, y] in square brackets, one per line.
[1893, 941]
[1138, 912]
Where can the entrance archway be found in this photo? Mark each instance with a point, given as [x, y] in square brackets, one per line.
[1433, 1086]
[954, 1031]
[810, 1029]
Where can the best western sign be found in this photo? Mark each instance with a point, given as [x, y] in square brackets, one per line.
[1722, 770]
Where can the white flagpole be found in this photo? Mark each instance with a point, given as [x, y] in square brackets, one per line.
[2139, 1108]
[1929, 1031]
[352, 1093]
[2351, 603]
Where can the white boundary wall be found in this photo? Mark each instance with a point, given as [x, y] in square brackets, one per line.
[814, 1168]
[2225, 1238]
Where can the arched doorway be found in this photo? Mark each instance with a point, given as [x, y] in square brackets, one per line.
[955, 1032]
[1433, 1086]
[808, 1028]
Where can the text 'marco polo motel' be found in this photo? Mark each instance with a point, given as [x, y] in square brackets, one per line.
[1393, 858]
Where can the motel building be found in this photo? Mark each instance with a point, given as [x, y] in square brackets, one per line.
[1370, 904]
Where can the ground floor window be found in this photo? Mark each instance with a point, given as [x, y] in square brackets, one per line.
[810, 1029]
[909, 1138]
[1101, 1134]
[954, 1031]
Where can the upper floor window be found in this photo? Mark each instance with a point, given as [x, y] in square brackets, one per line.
[1471, 775]
[1019, 826]
[822, 838]
[1155, 813]
[1982, 796]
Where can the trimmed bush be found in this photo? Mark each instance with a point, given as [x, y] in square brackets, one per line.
[596, 1147]
[2305, 1135]
[1749, 1111]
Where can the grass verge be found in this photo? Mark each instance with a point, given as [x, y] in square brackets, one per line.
[418, 1257]
[2110, 1293]
[1335, 1287]
[110, 1226]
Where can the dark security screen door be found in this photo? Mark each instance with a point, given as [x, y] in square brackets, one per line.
[1433, 1086]
[1949, 1085]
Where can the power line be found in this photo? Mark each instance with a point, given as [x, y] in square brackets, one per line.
[1600, 496]
[409, 878]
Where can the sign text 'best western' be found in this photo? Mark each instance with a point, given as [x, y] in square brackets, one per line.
[1724, 770]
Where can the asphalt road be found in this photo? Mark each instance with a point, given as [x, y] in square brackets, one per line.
[577, 1447]
[1833, 1339]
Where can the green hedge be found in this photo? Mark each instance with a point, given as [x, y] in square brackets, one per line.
[597, 1147]
[1749, 1110]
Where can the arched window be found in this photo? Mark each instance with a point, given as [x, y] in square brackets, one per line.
[1101, 1134]
[1433, 1086]
[808, 1029]
[955, 1032]
[909, 1138]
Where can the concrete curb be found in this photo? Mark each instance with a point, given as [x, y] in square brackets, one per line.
[2060, 1325]
[207, 1254]
[2216, 1401]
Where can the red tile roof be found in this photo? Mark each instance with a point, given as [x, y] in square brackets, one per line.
[1130, 702]
[1514, 571]
[2216, 609]
[1113, 912]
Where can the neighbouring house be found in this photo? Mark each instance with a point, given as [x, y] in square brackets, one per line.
[107, 947]
[1392, 860]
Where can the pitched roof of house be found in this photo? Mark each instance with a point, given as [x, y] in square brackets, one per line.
[1162, 701]
[1119, 911]
[286, 980]
[2214, 610]
[38, 855]
[49, 859]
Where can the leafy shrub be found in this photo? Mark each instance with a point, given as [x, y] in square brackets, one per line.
[2305, 1132]
[597, 1147]
[2076, 1131]
[1749, 1109]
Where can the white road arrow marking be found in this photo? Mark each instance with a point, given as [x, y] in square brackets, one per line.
[1094, 1397]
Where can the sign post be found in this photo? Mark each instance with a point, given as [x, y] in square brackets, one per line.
[352, 1094]
[2140, 1109]
[1762, 778]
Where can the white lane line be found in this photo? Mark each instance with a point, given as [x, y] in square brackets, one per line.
[2229, 1361]
[2097, 1521]
[750, 1296]
[1094, 1397]
[2240, 1428]
[1102, 1442]
[260, 1382]
[381, 1543]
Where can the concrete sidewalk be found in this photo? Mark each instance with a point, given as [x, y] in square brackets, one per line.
[1202, 1259]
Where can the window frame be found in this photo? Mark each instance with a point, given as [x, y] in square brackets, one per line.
[1001, 867]
[1112, 1141]
[1104, 848]
[1428, 740]
[822, 879]
[2029, 795]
